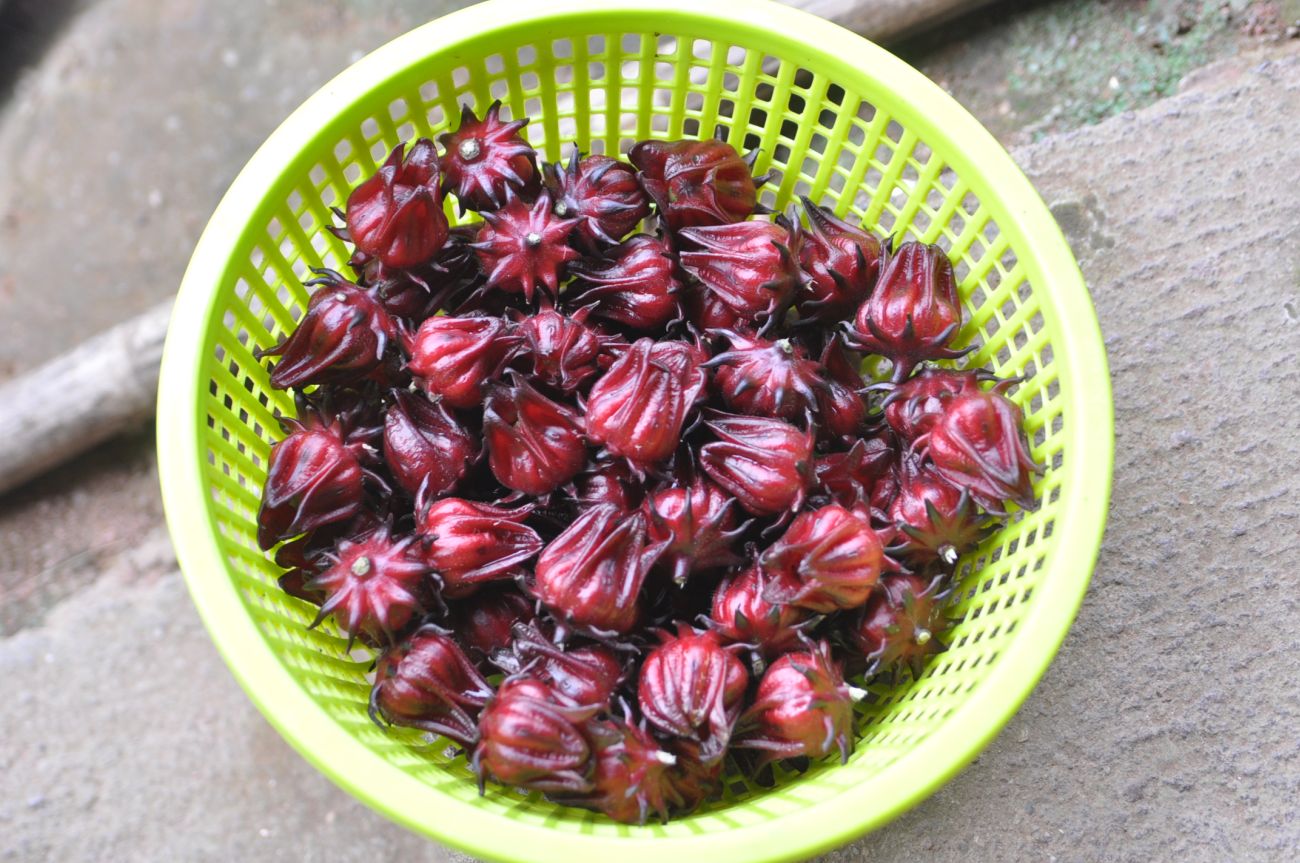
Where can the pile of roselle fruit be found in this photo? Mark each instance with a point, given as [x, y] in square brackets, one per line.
[617, 510]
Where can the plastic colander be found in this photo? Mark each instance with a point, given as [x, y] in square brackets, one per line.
[835, 118]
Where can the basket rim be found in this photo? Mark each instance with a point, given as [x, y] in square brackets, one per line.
[1085, 486]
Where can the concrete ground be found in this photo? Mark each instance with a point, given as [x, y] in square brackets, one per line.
[1164, 730]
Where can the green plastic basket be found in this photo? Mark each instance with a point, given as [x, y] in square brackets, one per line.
[837, 119]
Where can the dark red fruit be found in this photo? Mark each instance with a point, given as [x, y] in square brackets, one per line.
[603, 194]
[632, 776]
[750, 267]
[374, 585]
[427, 682]
[766, 378]
[454, 357]
[586, 675]
[766, 464]
[699, 524]
[315, 476]
[742, 615]
[563, 351]
[485, 621]
[937, 520]
[634, 284]
[694, 780]
[979, 445]
[425, 447]
[850, 477]
[914, 406]
[524, 246]
[531, 737]
[638, 407]
[842, 263]
[591, 574]
[534, 445]
[914, 312]
[396, 215]
[696, 182]
[608, 482]
[803, 708]
[470, 543]
[342, 338]
[829, 559]
[488, 159]
[900, 627]
[693, 687]
[840, 407]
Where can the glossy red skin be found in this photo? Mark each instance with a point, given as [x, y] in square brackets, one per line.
[504, 163]
[602, 193]
[833, 557]
[694, 780]
[609, 482]
[424, 445]
[887, 632]
[692, 687]
[841, 410]
[767, 378]
[803, 708]
[632, 777]
[428, 683]
[523, 247]
[395, 215]
[767, 465]
[741, 615]
[591, 574]
[342, 338]
[469, 543]
[914, 312]
[531, 738]
[916, 405]
[586, 675]
[935, 519]
[751, 267]
[638, 408]
[534, 445]
[698, 522]
[453, 358]
[485, 621]
[849, 477]
[314, 478]
[562, 351]
[373, 585]
[842, 262]
[634, 284]
[696, 182]
[979, 445]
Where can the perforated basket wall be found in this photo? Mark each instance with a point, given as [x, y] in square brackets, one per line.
[835, 119]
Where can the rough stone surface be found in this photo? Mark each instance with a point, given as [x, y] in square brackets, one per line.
[1165, 730]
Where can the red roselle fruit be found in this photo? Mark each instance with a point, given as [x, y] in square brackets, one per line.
[979, 445]
[603, 194]
[453, 357]
[531, 737]
[751, 268]
[828, 559]
[633, 774]
[699, 524]
[842, 263]
[342, 337]
[937, 520]
[638, 407]
[486, 160]
[741, 615]
[609, 482]
[766, 378]
[693, 687]
[591, 574]
[587, 675]
[534, 445]
[634, 284]
[563, 351]
[485, 621]
[697, 182]
[914, 312]
[900, 627]
[841, 408]
[315, 476]
[850, 477]
[470, 543]
[427, 682]
[766, 464]
[914, 406]
[524, 246]
[424, 445]
[803, 708]
[374, 585]
[396, 215]
[693, 779]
